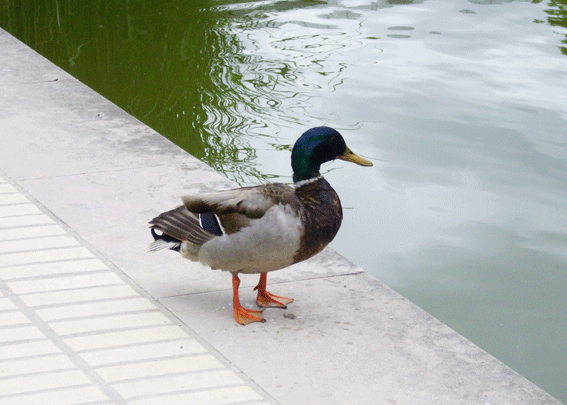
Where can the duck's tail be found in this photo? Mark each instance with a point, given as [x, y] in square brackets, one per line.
[163, 241]
[181, 225]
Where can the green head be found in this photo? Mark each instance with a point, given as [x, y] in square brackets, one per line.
[317, 146]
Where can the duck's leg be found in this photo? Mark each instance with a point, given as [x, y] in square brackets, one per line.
[242, 315]
[268, 300]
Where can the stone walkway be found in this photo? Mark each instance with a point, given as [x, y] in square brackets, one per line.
[72, 330]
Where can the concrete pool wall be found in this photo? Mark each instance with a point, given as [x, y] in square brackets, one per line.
[87, 316]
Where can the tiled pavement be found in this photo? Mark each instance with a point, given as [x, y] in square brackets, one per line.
[73, 331]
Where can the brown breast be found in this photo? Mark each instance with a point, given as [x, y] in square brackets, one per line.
[321, 217]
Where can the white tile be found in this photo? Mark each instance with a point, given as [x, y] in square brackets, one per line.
[13, 259]
[31, 232]
[95, 308]
[81, 295]
[210, 397]
[13, 318]
[108, 323]
[25, 220]
[185, 347]
[64, 283]
[14, 210]
[24, 384]
[7, 188]
[175, 383]
[20, 333]
[129, 337]
[6, 303]
[51, 269]
[37, 243]
[13, 198]
[159, 367]
[69, 396]
[35, 365]
[39, 348]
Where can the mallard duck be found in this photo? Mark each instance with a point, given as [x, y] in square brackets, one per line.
[263, 228]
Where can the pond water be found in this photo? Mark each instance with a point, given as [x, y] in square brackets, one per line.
[462, 105]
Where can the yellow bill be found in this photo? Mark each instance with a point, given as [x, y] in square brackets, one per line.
[350, 156]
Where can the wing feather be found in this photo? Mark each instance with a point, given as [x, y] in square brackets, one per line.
[182, 224]
[252, 202]
[235, 209]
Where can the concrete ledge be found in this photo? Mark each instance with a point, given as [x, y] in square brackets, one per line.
[100, 175]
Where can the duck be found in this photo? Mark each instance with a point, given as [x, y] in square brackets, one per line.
[256, 230]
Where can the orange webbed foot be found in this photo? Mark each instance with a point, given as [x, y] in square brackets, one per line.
[269, 300]
[245, 316]
[242, 315]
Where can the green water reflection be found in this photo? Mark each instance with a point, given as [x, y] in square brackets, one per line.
[175, 65]
[557, 12]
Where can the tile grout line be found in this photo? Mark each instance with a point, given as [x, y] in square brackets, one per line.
[36, 321]
[64, 343]
[50, 334]
[61, 345]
